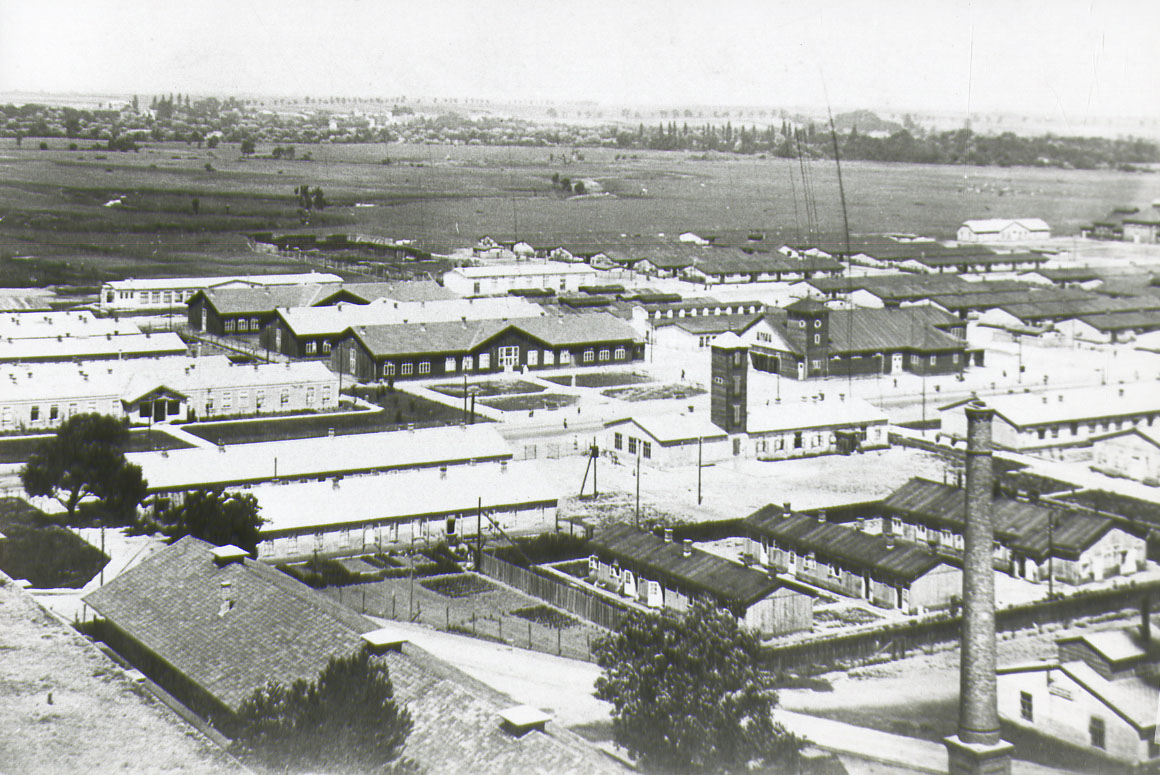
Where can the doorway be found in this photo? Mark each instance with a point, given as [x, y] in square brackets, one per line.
[896, 363]
[509, 358]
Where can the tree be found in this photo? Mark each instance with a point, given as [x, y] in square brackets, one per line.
[85, 460]
[688, 694]
[196, 205]
[346, 721]
[319, 200]
[212, 141]
[247, 147]
[214, 516]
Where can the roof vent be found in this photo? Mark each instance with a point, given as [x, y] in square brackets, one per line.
[523, 719]
[383, 640]
[227, 598]
[224, 555]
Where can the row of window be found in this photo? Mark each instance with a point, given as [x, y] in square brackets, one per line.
[311, 347]
[157, 297]
[706, 312]
[243, 396]
[635, 445]
[241, 324]
[1095, 426]
[1097, 727]
[468, 362]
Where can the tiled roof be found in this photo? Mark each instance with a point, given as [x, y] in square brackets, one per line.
[278, 628]
[882, 330]
[847, 545]
[281, 630]
[1020, 525]
[646, 553]
[465, 336]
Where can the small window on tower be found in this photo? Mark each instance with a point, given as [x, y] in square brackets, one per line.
[817, 324]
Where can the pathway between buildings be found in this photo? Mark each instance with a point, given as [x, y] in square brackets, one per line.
[563, 687]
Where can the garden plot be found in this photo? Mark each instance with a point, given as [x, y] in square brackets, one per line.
[507, 387]
[600, 379]
[530, 402]
[653, 392]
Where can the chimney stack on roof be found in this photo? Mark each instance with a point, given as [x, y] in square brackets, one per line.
[686, 548]
[668, 535]
[889, 540]
[786, 511]
[227, 598]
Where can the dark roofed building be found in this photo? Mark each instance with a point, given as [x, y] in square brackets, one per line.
[230, 311]
[408, 351]
[213, 644]
[815, 341]
[659, 573]
[1082, 546]
[852, 562]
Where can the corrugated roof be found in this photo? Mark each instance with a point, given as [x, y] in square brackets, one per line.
[1022, 526]
[728, 581]
[849, 546]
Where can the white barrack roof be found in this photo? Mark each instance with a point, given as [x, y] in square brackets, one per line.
[526, 269]
[990, 225]
[182, 469]
[216, 282]
[68, 347]
[337, 318]
[1075, 405]
[803, 415]
[428, 493]
[43, 325]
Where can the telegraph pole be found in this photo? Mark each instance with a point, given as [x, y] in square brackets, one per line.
[699, 440]
[637, 485]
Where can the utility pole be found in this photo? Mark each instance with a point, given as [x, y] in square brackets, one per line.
[479, 534]
[699, 440]
[637, 485]
[1051, 556]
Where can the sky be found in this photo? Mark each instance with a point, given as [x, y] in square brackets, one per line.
[1071, 59]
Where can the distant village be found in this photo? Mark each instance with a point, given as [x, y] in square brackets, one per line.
[550, 437]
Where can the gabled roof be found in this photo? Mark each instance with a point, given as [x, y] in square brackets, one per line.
[278, 629]
[132, 284]
[1024, 527]
[849, 546]
[1025, 410]
[711, 324]
[674, 429]
[332, 320]
[465, 336]
[995, 225]
[806, 304]
[233, 301]
[281, 630]
[647, 554]
[1132, 698]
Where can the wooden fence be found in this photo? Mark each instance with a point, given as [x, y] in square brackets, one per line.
[897, 640]
[575, 600]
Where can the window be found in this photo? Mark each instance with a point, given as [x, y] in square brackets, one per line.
[737, 414]
[468, 364]
[254, 324]
[34, 414]
[589, 356]
[353, 359]
[243, 399]
[1075, 429]
[1098, 732]
[449, 364]
[956, 358]
[388, 369]
[1055, 431]
[53, 412]
[243, 325]
[311, 347]
[285, 397]
[816, 365]
[631, 445]
[407, 369]
[1025, 708]
[484, 361]
[72, 410]
[817, 338]
[932, 360]
[325, 394]
[801, 324]
[834, 572]
[533, 357]
[310, 395]
[227, 400]
[325, 346]
[797, 440]
[647, 451]
[736, 384]
[565, 357]
[425, 367]
[549, 358]
[618, 441]
[259, 399]
[230, 326]
[817, 323]
[1042, 433]
[618, 354]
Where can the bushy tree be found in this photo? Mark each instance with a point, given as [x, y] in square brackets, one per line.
[85, 461]
[346, 721]
[688, 694]
[247, 147]
[214, 516]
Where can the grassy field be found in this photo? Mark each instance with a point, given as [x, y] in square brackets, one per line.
[489, 388]
[17, 450]
[530, 402]
[44, 553]
[600, 379]
[57, 229]
[400, 410]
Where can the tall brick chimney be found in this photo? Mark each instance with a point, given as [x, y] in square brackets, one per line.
[978, 749]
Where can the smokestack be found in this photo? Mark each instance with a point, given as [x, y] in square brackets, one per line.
[668, 535]
[786, 511]
[686, 548]
[978, 748]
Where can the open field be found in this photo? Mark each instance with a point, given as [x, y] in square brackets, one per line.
[57, 229]
[17, 450]
[47, 555]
